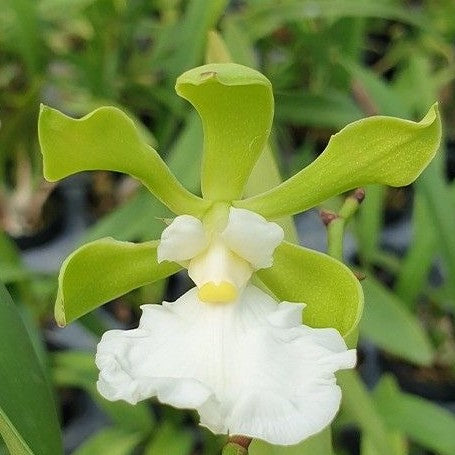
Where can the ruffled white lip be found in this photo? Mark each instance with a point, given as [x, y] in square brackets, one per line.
[248, 368]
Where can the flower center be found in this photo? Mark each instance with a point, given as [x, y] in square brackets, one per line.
[217, 293]
[222, 251]
[219, 273]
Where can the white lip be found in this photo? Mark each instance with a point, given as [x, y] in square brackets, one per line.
[248, 368]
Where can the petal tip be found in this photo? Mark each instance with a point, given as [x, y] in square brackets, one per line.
[59, 313]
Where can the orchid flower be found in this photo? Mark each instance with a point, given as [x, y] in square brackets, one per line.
[227, 347]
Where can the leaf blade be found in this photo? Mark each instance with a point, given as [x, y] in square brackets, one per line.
[110, 441]
[421, 420]
[363, 409]
[28, 418]
[404, 336]
[78, 369]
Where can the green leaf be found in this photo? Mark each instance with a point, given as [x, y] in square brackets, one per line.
[216, 51]
[236, 107]
[11, 267]
[240, 47]
[185, 165]
[110, 441]
[63, 10]
[397, 441]
[267, 16]
[318, 444]
[377, 149]
[107, 139]
[415, 75]
[361, 408]
[438, 199]
[78, 369]
[330, 290]
[188, 46]
[391, 326]
[28, 418]
[26, 33]
[322, 110]
[421, 420]
[170, 439]
[369, 222]
[382, 96]
[103, 270]
[412, 280]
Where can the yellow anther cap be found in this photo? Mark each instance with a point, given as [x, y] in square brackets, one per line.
[218, 293]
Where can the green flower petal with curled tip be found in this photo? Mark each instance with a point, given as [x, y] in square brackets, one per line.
[103, 270]
[107, 139]
[379, 149]
[236, 107]
[331, 292]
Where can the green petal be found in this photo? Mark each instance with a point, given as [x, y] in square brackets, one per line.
[103, 270]
[236, 107]
[384, 150]
[332, 293]
[107, 139]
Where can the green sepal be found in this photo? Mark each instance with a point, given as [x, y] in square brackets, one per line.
[379, 149]
[107, 139]
[236, 107]
[331, 292]
[103, 270]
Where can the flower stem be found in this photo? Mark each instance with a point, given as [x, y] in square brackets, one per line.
[336, 222]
